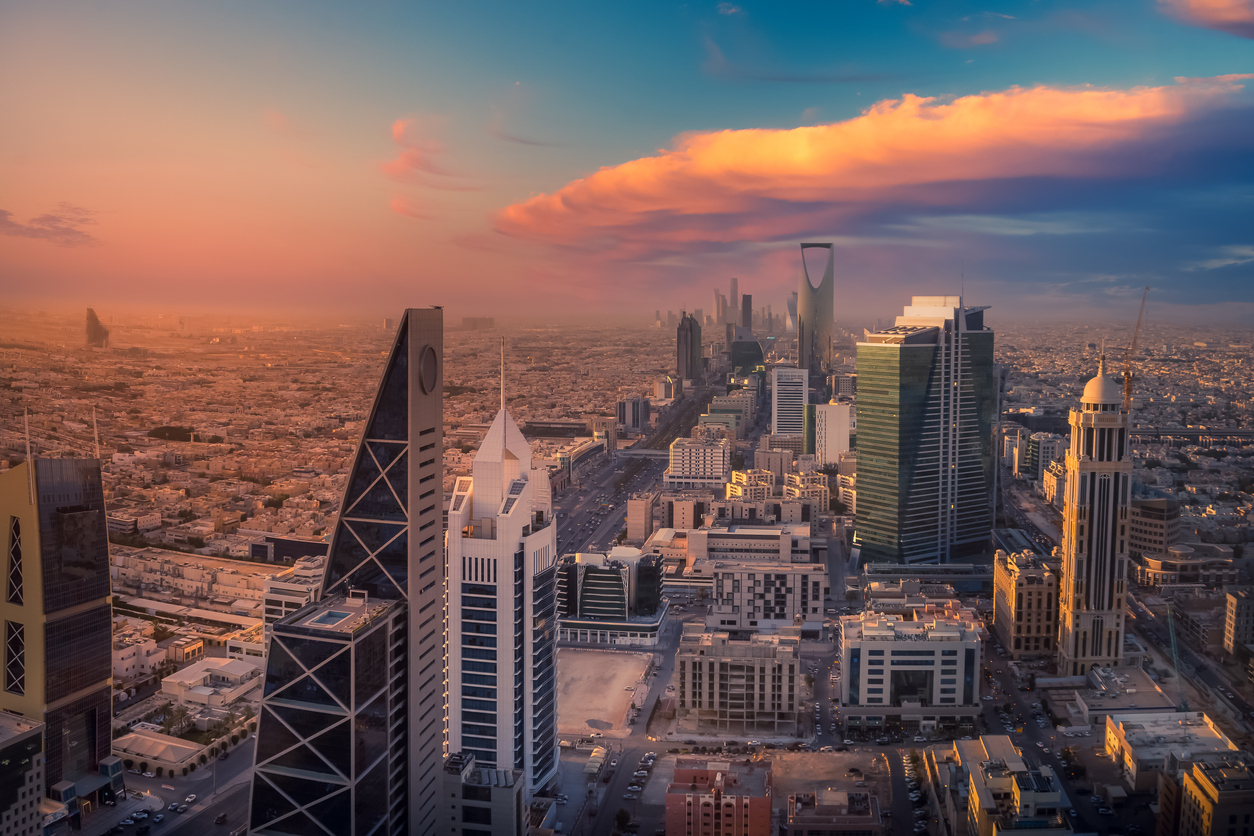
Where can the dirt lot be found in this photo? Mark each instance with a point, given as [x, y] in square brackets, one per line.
[592, 687]
[804, 771]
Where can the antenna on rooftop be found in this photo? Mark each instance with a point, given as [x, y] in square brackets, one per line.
[30, 461]
[502, 374]
[95, 428]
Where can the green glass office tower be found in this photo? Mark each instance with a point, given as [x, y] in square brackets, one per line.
[926, 409]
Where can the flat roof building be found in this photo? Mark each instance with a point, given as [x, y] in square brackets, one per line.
[713, 798]
[1143, 745]
[830, 812]
[733, 686]
[1025, 604]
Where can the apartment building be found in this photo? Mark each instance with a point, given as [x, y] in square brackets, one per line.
[718, 798]
[751, 485]
[761, 595]
[698, 464]
[734, 686]
[1025, 604]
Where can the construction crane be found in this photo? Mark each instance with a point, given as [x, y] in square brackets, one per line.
[1127, 357]
[1175, 660]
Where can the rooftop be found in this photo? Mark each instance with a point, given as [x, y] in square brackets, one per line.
[342, 614]
[1153, 736]
[738, 777]
[13, 725]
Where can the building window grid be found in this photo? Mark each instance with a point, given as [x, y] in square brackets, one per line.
[14, 592]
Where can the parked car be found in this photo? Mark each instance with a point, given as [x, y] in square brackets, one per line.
[190, 799]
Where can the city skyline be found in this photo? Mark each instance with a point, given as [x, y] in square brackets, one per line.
[1056, 159]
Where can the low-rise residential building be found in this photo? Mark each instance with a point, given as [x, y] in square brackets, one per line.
[1006, 795]
[918, 674]
[1025, 604]
[1144, 744]
[751, 485]
[733, 686]
[809, 487]
[640, 509]
[1206, 794]
[714, 798]
[830, 812]
[212, 682]
[760, 595]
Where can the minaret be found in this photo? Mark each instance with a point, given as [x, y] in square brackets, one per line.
[1094, 538]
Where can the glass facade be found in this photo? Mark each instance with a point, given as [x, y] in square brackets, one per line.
[73, 539]
[925, 448]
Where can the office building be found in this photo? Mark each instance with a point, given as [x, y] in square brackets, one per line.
[1032, 458]
[633, 414]
[926, 407]
[688, 362]
[832, 812]
[761, 595]
[916, 675]
[1094, 535]
[833, 425]
[718, 798]
[613, 598]
[1006, 795]
[746, 311]
[1153, 525]
[788, 401]
[640, 510]
[1207, 794]
[351, 733]
[291, 589]
[1209, 564]
[1054, 483]
[733, 300]
[483, 801]
[502, 607]
[1143, 744]
[1025, 604]
[22, 778]
[698, 464]
[815, 315]
[56, 618]
[731, 686]
[1238, 618]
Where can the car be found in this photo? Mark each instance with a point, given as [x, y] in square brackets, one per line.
[754, 743]
[987, 698]
[190, 799]
[634, 788]
[174, 805]
[150, 775]
[1105, 811]
[920, 740]
[561, 801]
[127, 822]
[613, 761]
[136, 771]
[640, 773]
[139, 814]
[182, 808]
[220, 818]
[630, 796]
[596, 735]
[920, 814]
[848, 742]
[1039, 743]
[157, 819]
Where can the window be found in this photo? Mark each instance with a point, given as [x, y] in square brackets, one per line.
[14, 658]
[14, 592]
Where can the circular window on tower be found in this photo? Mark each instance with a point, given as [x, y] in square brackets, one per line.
[428, 370]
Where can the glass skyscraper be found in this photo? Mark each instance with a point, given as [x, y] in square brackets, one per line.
[351, 731]
[56, 618]
[926, 407]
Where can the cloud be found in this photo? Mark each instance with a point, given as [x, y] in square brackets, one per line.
[402, 206]
[418, 162]
[716, 65]
[1030, 149]
[61, 227]
[961, 40]
[1229, 257]
[729, 9]
[1235, 17]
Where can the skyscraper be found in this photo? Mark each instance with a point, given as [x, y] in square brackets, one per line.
[925, 411]
[502, 566]
[788, 401]
[733, 301]
[1094, 536]
[688, 349]
[746, 311]
[351, 729]
[56, 618]
[815, 315]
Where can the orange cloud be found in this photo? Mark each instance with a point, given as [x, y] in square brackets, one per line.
[912, 154]
[1232, 16]
[401, 206]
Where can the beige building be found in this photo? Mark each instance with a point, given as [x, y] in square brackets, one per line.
[729, 686]
[1025, 605]
[762, 595]
[483, 800]
[752, 485]
[211, 682]
[831, 812]
[640, 508]
[1153, 525]
[1238, 618]
[697, 464]
[1005, 794]
[809, 487]
[1210, 565]
[1217, 796]
[1142, 744]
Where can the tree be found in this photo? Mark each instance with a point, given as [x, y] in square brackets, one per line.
[185, 772]
[622, 818]
[202, 758]
[143, 766]
[252, 726]
[160, 771]
[234, 739]
[128, 763]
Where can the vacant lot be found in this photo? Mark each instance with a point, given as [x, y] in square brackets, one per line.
[804, 771]
[592, 690]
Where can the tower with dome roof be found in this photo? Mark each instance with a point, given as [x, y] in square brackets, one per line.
[1095, 530]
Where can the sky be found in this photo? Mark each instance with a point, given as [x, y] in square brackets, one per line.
[1050, 159]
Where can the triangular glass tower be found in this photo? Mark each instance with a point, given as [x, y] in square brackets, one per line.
[350, 738]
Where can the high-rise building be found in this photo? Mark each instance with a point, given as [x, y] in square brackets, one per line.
[815, 315]
[698, 464]
[746, 311]
[788, 401]
[633, 414]
[733, 300]
[502, 622]
[926, 407]
[688, 363]
[1094, 532]
[1025, 604]
[56, 618]
[351, 733]
[22, 776]
[832, 424]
